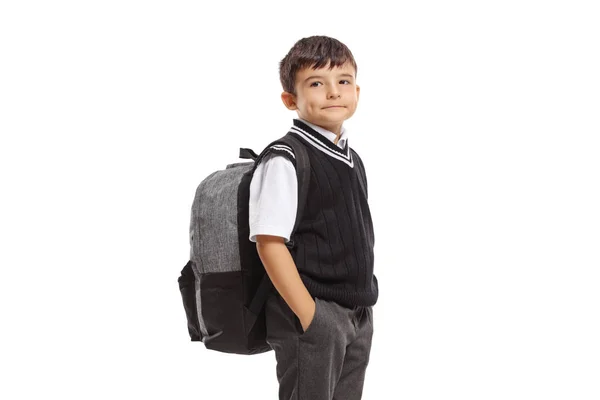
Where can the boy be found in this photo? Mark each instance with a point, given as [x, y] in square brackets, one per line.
[320, 317]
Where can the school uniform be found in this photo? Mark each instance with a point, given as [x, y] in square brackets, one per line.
[333, 251]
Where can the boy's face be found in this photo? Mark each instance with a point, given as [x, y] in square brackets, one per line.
[324, 97]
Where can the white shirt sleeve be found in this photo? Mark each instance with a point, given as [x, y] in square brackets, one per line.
[273, 198]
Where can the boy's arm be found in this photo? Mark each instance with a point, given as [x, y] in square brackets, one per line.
[283, 272]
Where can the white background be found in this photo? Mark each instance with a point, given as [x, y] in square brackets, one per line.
[478, 123]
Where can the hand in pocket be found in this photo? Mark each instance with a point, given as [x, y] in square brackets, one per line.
[306, 323]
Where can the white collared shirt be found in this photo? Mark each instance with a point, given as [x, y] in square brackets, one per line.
[274, 191]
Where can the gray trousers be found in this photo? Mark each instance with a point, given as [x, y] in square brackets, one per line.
[329, 360]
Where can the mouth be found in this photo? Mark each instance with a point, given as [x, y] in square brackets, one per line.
[334, 107]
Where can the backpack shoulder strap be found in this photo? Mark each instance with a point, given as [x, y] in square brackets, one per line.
[303, 174]
[302, 164]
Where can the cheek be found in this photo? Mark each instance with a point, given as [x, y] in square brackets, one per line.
[351, 91]
[353, 95]
[311, 104]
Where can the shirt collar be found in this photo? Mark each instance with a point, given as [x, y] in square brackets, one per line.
[328, 134]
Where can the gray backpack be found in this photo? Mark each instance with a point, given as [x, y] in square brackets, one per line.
[224, 285]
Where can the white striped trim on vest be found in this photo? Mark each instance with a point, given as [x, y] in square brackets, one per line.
[283, 148]
[316, 140]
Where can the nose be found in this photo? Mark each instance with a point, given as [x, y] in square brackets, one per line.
[333, 93]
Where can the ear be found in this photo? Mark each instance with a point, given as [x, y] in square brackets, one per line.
[289, 100]
[357, 92]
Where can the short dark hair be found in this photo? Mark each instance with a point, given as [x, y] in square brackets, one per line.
[315, 51]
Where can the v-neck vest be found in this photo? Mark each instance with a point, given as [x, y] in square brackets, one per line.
[333, 244]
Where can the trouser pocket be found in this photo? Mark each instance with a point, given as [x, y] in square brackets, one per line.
[314, 324]
[283, 323]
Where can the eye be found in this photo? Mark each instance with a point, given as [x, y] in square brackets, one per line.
[344, 80]
[312, 84]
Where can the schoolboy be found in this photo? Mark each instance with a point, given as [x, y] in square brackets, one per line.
[320, 317]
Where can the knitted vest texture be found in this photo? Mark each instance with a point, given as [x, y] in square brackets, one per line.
[333, 244]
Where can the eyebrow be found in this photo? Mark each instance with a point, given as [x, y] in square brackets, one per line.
[318, 76]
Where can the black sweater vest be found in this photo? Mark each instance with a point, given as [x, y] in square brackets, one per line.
[333, 244]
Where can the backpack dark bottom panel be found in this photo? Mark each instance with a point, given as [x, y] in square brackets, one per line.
[231, 326]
